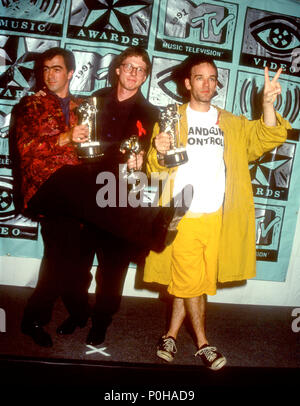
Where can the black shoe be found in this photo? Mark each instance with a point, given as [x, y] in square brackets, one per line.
[96, 336]
[166, 348]
[69, 326]
[165, 225]
[211, 357]
[37, 333]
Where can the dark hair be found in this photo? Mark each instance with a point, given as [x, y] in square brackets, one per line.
[118, 60]
[194, 60]
[68, 56]
[184, 69]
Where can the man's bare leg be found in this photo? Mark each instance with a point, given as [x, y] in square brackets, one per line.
[177, 317]
[195, 309]
[211, 357]
[166, 348]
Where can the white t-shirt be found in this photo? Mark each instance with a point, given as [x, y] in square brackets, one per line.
[205, 169]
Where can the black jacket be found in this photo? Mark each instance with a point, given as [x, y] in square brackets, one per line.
[117, 121]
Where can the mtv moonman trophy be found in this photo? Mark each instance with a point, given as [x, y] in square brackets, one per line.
[87, 111]
[132, 146]
[169, 118]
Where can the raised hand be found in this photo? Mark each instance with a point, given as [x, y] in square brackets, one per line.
[272, 87]
[271, 90]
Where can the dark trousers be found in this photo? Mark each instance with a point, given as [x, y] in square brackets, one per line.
[63, 272]
[114, 256]
[70, 193]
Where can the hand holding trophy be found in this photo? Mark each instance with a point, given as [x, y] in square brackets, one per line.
[87, 111]
[169, 120]
[132, 148]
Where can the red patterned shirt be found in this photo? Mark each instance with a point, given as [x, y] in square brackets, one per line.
[39, 123]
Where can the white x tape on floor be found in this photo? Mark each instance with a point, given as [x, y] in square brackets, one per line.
[100, 350]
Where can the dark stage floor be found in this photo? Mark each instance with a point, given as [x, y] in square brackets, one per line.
[258, 341]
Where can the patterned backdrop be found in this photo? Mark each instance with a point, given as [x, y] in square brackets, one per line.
[243, 36]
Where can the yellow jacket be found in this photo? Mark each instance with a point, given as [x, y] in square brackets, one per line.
[244, 141]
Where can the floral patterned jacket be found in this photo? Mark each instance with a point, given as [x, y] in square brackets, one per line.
[39, 123]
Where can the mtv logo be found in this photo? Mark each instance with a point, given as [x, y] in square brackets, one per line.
[266, 221]
[269, 221]
[205, 22]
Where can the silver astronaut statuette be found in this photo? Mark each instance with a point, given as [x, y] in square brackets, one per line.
[87, 112]
[168, 122]
[132, 148]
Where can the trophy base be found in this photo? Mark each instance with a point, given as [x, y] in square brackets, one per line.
[175, 157]
[89, 150]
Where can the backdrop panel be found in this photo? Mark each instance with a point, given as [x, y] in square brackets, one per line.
[243, 37]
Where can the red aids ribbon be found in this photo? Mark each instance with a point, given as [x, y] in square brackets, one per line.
[142, 130]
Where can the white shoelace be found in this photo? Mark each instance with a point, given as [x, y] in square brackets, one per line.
[209, 352]
[169, 345]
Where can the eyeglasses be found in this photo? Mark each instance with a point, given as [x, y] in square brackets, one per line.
[129, 68]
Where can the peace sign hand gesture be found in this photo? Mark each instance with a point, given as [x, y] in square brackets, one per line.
[272, 87]
[271, 90]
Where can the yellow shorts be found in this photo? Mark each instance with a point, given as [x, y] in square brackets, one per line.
[195, 256]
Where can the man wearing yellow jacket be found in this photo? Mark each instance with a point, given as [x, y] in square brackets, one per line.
[216, 238]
